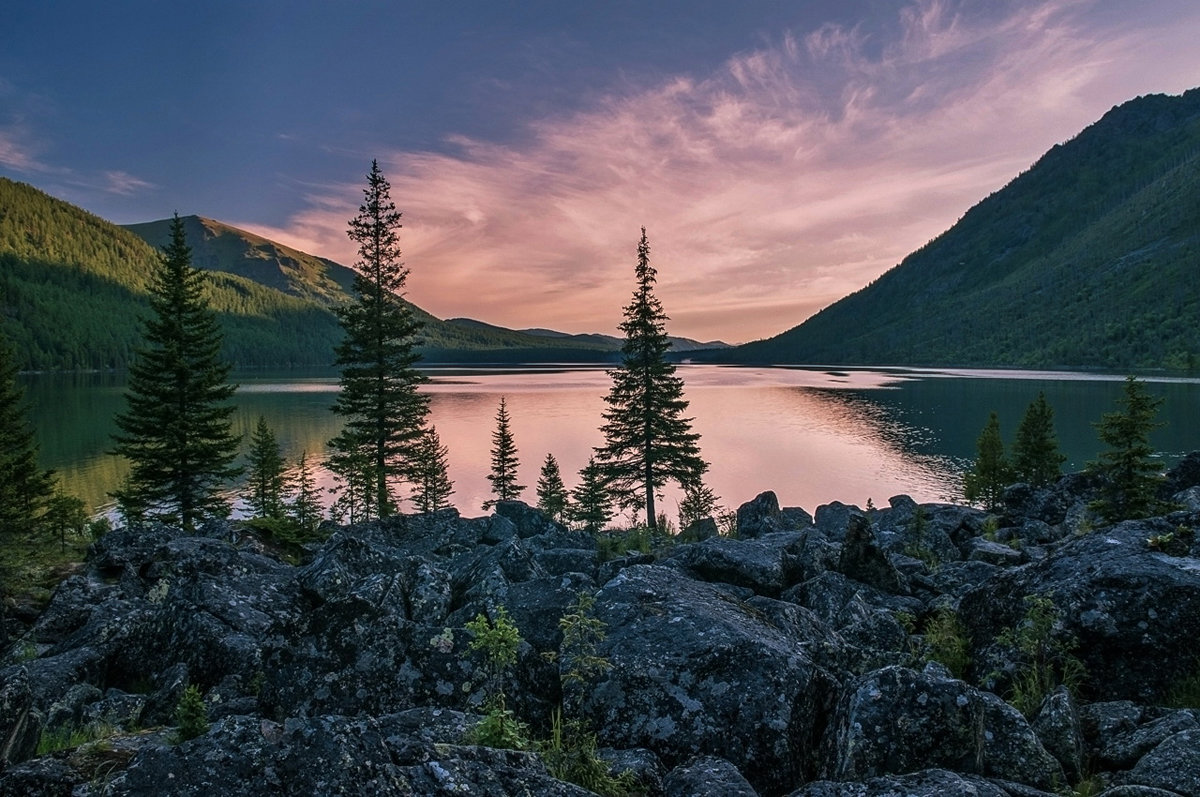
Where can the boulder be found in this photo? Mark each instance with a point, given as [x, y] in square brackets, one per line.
[1124, 733]
[1174, 765]
[698, 670]
[20, 724]
[767, 564]
[981, 550]
[529, 521]
[1057, 727]
[833, 519]
[760, 516]
[926, 783]
[864, 560]
[896, 720]
[1122, 604]
[707, 775]
[387, 755]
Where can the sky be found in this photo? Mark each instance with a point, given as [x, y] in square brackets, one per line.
[780, 154]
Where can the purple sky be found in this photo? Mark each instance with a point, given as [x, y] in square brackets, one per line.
[780, 154]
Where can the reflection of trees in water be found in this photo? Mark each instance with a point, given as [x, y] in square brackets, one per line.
[861, 416]
[812, 442]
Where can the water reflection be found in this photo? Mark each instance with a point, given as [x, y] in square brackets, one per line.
[811, 435]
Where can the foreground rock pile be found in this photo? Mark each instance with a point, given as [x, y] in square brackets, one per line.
[805, 658]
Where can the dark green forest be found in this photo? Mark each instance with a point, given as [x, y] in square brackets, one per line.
[1088, 259]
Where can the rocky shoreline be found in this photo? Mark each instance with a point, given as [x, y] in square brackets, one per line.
[805, 658]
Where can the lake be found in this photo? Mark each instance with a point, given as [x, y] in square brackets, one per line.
[813, 435]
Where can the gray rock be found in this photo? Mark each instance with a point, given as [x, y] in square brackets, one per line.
[336, 755]
[1057, 727]
[20, 724]
[1174, 764]
[760, 516]
[702, 529]
[981, 550]
[698, 670]
[833, 519]
[1126, 744]
[707, 775]
[647, 768]
[863, 559]
[1122, 603]
[529, 521]
[796, 518]
[897, 720]
[767, 564]
[926, 783]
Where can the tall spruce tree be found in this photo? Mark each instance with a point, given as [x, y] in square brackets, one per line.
[648, 441]
[432, 486]
[266, 483]
[1036, 458]
[990, 474]
[591, 504]
[551, 492]
[24, 487]
[176, 431]
[504, 461]
[1129, 476]
[384, 412]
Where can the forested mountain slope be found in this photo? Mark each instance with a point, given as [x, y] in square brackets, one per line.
[73, 286]
[1089, 258]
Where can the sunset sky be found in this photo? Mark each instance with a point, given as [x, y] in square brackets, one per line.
[780, 154]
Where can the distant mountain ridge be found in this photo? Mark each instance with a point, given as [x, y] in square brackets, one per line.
[606, 342]
[1090, 258]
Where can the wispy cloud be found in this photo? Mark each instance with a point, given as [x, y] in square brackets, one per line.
[789, 177]
[125, 184]
[17, 152]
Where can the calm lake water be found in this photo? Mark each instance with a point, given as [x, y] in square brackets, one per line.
[811, 435]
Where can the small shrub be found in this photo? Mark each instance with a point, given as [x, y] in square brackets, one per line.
[946, 641]
[1185, 693]
[570, 755]
[990, 527]
[67, 738]
[1044, 661]
[191, 714]
[498, 641]
[500, 728]
[917, 545]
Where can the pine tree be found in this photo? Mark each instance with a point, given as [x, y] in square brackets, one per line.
[354, 474]
[551, 492]
[266, 483]
[1130, 478]
[176, 432]
[1036, 458]
[648, 441]
[384, 412]
[432, 485]
[990, 474]
[699, 501]
[24, 487]
[305, 508]
[591, 504]
[504, 461]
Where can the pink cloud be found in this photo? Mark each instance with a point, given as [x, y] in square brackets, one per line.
[789, 177]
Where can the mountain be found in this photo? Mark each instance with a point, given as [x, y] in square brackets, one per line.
[613, 343]
[74, 286]
[220, 247]
[1090, 258]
